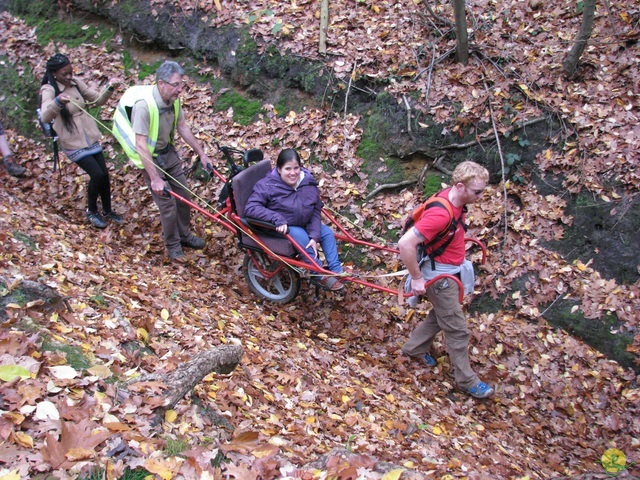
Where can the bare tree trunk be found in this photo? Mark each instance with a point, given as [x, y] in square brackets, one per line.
[324, 25]
[570, 64]
[462, 37]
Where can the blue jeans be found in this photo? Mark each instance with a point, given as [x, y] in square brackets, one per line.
[327, 243]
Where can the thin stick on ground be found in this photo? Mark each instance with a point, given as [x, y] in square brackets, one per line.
[406, 104]
[502, 166]
[346, 96]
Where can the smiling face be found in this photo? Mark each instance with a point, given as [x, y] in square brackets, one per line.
[290, 172]
[64, 75]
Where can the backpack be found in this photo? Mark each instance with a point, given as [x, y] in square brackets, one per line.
[429, 248]
[49, 132]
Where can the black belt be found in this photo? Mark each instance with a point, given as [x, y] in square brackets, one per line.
[163, 150]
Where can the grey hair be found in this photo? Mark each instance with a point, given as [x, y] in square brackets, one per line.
[167, 69]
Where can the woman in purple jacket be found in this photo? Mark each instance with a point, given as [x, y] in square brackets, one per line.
[288, 197]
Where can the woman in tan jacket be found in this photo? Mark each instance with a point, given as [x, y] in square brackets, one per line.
[63, 101]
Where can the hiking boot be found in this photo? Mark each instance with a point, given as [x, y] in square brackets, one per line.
[114, 217]
[481, 390]
[178, 257]
[330, 283]
[14, 169]
[193, 242]
[429, 360]
[96, 220]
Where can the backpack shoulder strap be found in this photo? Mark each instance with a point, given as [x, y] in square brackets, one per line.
[434, 200]
[438, 244]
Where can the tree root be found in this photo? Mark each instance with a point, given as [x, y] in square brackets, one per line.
[388, 186]
[437, 164]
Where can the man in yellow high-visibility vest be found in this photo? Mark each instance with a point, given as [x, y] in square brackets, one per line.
[145, 123]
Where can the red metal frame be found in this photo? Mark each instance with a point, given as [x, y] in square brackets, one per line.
[230, 220]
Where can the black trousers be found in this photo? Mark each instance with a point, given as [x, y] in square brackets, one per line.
[99, 185]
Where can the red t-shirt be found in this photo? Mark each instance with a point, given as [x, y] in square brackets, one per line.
[433, 221]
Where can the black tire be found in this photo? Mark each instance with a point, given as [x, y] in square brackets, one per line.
[281, 288]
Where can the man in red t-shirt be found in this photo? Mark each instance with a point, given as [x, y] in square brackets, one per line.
[469, 181]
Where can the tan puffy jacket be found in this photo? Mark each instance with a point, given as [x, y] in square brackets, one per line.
[82, 96]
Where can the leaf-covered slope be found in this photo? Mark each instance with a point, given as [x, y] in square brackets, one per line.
[316, 374]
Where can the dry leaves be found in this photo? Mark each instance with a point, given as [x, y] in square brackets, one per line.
[324, 373]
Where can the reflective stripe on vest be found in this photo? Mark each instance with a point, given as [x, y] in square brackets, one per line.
[122, 128]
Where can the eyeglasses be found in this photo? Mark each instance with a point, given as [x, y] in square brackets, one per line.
[181, 83]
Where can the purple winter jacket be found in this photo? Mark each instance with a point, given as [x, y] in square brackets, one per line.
[276, 202]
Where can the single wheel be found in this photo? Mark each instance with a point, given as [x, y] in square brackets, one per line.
[270, 279]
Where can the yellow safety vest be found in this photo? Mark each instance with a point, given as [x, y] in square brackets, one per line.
[123, 130]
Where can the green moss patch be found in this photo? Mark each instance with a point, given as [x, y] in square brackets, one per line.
[43, 15]
[19, 92]
[74, 355]
[244, 109]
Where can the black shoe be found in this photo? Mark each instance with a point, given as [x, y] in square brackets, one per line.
[15, 169]
[193, 242]
[178, 257]
[114, 217]
[96, 220]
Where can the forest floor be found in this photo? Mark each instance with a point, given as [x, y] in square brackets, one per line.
[318, 373]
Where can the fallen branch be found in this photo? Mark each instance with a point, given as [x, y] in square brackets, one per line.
[437, 18]
[504, 183]
[433, 62]
[185, 377]
[324, 25]
[610, 16]
[426, 95]
[558, 297]
[437, 165]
